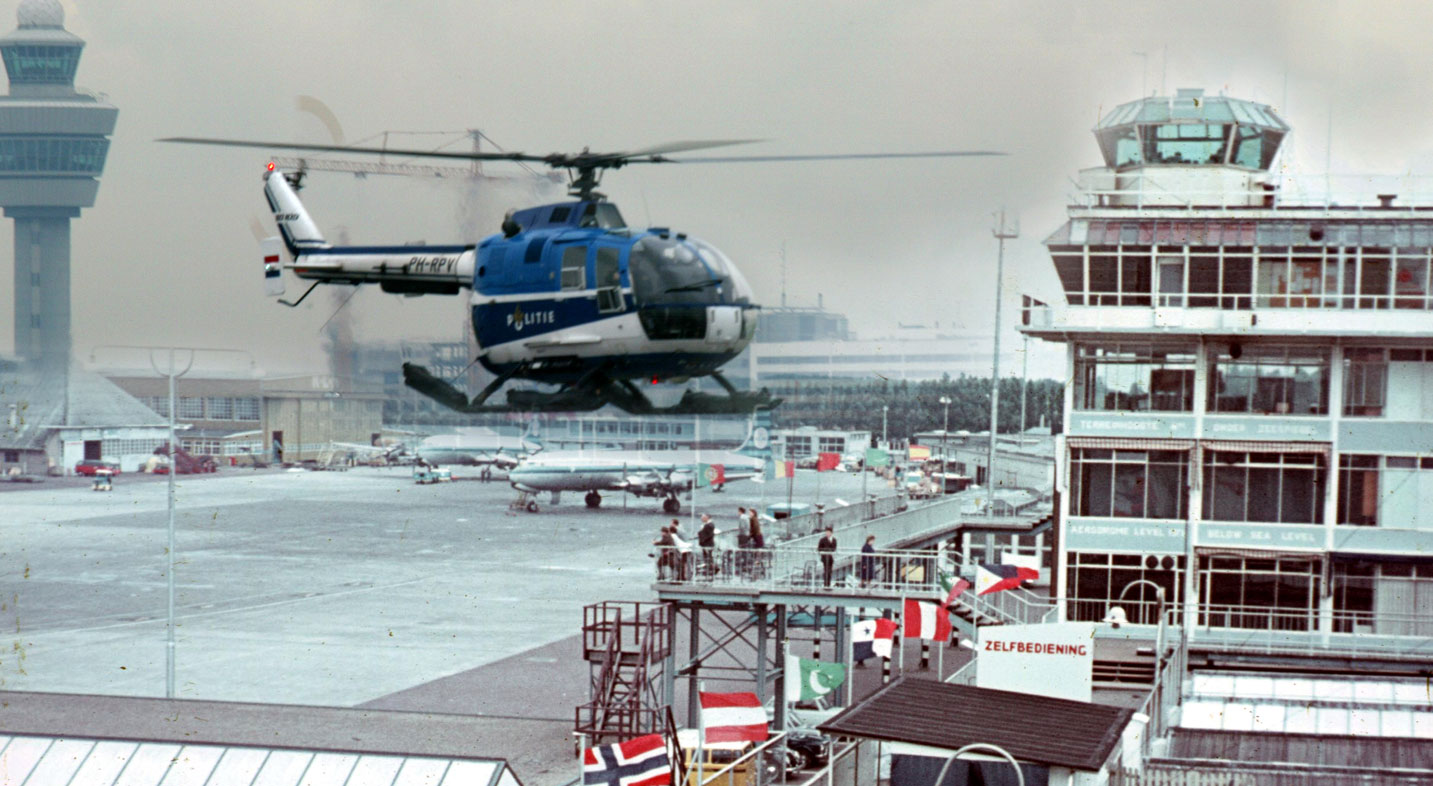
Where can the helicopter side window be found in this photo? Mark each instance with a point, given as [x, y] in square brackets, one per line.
[574, 268]
[608, 280]
[602, 215]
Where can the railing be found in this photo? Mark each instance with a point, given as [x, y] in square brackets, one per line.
[1312, 191]
[1312, 632]
[752, 768]
[836, 517]
[884, 573]
[851, 764]
[965, 675]
[933, 518]
[1270, 630]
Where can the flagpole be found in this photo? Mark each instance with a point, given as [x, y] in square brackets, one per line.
[701, 734]
[581, 757]
[849, 661]
[696, 443]
[901, 634]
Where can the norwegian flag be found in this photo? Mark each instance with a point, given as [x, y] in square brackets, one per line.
[643, 761]
[733, 717]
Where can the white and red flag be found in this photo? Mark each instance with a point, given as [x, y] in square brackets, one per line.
[642, 761]
[926, 621]
[733, 717]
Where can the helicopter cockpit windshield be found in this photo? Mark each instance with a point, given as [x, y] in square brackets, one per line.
[684, 272]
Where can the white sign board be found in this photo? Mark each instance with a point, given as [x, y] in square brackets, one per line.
[1055, 660]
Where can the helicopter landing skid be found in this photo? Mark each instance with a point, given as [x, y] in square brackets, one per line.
[593, 391]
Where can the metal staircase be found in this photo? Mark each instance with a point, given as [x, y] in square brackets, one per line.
[624, 644]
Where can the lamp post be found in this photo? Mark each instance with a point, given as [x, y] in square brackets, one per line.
[885, 438]
[984, 746]
[1002, 233]
[171, 374]
[944, 434]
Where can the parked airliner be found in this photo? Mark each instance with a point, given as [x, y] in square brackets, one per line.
[644, 473]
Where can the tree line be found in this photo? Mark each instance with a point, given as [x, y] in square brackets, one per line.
[915, 406]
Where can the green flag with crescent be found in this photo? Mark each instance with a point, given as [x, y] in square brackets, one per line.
[808, 679]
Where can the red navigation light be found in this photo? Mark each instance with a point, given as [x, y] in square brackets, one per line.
[654, 380]
[271, 166]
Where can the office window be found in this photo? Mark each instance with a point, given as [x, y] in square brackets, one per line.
[1097, 581]
[1128, 483]
[1270, 380]
[1134, 378]
[1265, 594]
[190, 407]
[247, 408]
[1283, 488]
[1365, 379]
[1385, 491]
[220, 407]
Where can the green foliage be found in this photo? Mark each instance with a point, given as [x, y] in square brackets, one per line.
[915, 406]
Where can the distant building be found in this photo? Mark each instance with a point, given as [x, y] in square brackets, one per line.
[808, 442]
[52, 420]
[238, 417]
[53, 142]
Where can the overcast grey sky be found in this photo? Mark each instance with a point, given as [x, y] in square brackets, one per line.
[167, 253]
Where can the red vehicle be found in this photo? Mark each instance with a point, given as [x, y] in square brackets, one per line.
[96, 467]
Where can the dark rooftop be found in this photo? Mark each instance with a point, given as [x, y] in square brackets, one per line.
[1034, 729]
[1325, 752]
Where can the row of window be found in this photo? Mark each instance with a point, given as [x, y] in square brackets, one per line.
[207, 407]
[1255, 379]
[1246, 146]
[53, 154]
[30, 64]
[627, 427]
[1284, 488]
[1279, 593]
[1242, 277]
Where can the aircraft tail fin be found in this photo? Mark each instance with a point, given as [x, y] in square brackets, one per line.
[295, 225]
[533, 434]
[758, 439]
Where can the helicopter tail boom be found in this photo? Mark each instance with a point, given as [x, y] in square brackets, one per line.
[404, 270]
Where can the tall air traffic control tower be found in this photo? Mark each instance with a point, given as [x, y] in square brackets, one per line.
[53, 141]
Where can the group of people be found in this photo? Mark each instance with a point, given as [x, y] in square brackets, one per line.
[865, 568]
[675, 560]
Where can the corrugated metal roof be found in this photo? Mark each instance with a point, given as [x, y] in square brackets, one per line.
[50, 738]
[1319, 750]
[77, 399]
[1035, 729]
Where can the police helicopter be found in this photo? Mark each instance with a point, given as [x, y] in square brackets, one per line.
[566, 294]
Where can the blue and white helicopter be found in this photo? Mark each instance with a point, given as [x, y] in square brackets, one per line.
[565, 294]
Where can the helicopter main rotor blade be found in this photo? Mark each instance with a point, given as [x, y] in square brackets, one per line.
[684, 145]
[469, 156]
[826, 157]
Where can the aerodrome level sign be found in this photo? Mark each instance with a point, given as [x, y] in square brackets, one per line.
[1055, 660]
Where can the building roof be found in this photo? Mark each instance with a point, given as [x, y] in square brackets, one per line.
[1192, 106]
[1035, 729]
[45, 401]
[1321, 751]
[298, 736]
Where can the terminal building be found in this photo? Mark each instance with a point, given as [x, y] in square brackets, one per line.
[1249, 429]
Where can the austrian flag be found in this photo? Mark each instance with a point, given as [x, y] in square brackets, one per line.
[926, 621]
[637, 762]
[733, 717]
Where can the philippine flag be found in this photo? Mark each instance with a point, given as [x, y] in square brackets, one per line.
[926, 621]
[872, 637]
[993, 578]
[643, 761]
[733, 717]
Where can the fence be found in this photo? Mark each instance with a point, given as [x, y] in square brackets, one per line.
[884, 573]
[839, 518]
[936, 517]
